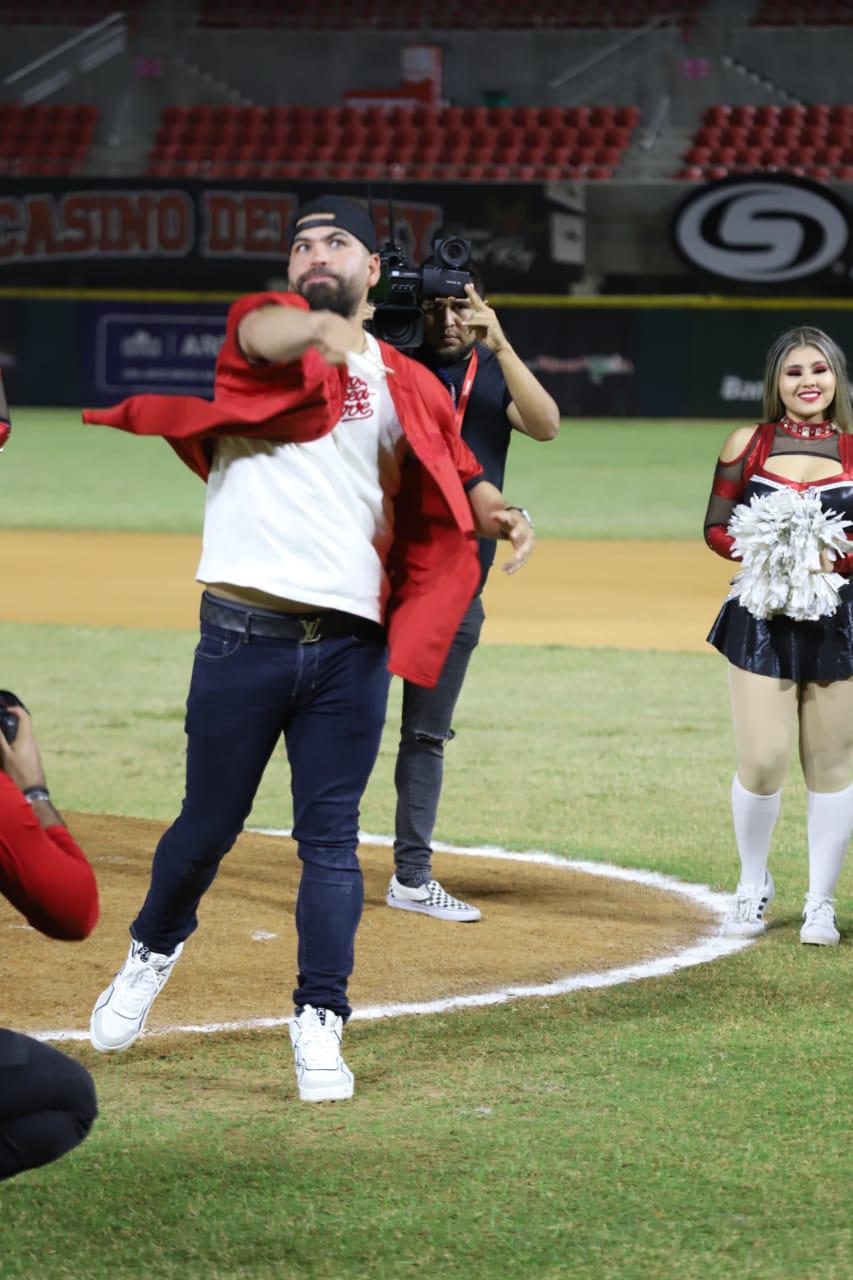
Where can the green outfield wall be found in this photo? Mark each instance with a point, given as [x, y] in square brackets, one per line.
[636, 356]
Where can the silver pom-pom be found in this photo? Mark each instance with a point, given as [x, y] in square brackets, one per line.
[779, 537]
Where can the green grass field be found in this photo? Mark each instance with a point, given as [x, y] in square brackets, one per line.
[691, 1126]
[58, 473]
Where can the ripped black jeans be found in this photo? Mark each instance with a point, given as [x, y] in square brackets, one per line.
[427, 717]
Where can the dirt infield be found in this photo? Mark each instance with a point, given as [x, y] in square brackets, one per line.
[539, 923]
[626, 595]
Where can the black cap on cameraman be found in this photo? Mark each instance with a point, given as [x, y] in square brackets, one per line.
[334, 211]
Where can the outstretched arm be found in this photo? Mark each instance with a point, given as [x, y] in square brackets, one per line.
[278, 335]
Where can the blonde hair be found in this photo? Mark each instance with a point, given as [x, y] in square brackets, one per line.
[839, 410]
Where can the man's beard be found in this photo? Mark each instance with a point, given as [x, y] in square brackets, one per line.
[340, 296]
[450, 355]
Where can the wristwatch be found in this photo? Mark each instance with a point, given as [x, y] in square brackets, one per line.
[528, 517]
[36, 793]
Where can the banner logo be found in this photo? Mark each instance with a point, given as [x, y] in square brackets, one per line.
[762, 230]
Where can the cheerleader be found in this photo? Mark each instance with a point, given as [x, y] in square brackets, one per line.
[790, 677]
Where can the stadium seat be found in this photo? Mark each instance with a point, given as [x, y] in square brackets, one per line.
[793, 138]
[41, 140]
[476, 137]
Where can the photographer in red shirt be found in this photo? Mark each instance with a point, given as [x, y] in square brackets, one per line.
[47, 1100]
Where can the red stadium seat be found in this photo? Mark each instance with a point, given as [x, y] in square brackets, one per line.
[602, 117]
[609, 157]
[717, 117]
[759, 136]
[742, 116]
[726, 156]
[476, 117]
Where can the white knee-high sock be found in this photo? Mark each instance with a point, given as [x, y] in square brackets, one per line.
[754, 820]
[830, 825]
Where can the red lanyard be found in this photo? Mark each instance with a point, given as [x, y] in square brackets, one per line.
[465, 393]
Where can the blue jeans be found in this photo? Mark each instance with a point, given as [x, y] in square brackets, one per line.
[328, 698]
[425, 728]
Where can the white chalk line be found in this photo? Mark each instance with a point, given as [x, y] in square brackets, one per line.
[710, 947]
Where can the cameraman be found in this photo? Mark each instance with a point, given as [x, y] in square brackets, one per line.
[47, 1100]
[493, 393]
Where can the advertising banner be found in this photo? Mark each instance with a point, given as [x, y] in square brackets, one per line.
[585, 359]
[149, 347]
[188, 235]
[608, 362]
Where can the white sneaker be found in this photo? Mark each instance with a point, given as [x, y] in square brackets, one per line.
[819, 922]
[120, 1011]
[431, 900]
[321, 1073]
[746, 917]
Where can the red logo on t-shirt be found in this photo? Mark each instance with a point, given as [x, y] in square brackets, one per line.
[357, 400]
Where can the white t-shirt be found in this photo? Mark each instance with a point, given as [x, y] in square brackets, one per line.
[311, 522]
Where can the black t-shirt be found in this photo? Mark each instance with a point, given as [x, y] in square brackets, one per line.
[485, 428]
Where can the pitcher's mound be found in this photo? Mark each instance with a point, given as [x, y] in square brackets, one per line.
[540, 923]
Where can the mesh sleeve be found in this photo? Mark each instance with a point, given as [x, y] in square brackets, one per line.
[726, 492]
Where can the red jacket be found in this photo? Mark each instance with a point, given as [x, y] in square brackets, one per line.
[43, 871]
[433, 565]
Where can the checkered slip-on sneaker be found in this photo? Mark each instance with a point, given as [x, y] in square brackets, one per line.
[430, 900]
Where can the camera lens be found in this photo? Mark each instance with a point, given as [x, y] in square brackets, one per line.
[453, 252]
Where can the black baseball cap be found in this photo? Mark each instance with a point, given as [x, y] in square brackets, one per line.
[334, 211]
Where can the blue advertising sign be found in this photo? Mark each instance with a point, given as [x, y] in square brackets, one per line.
[138, 349]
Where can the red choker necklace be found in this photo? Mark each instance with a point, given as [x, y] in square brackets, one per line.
[808, 430]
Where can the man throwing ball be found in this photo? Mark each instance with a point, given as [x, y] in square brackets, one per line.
[339, 543]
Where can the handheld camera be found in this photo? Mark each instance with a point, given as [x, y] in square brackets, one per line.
[402, 290]
[9, 722]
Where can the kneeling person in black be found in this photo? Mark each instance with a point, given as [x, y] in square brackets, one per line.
[494, 392]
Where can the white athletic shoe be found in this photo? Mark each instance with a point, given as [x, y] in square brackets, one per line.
[120, 1011]
[431, 900]
[819, 922]
[746, 917]
[321, 1073]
